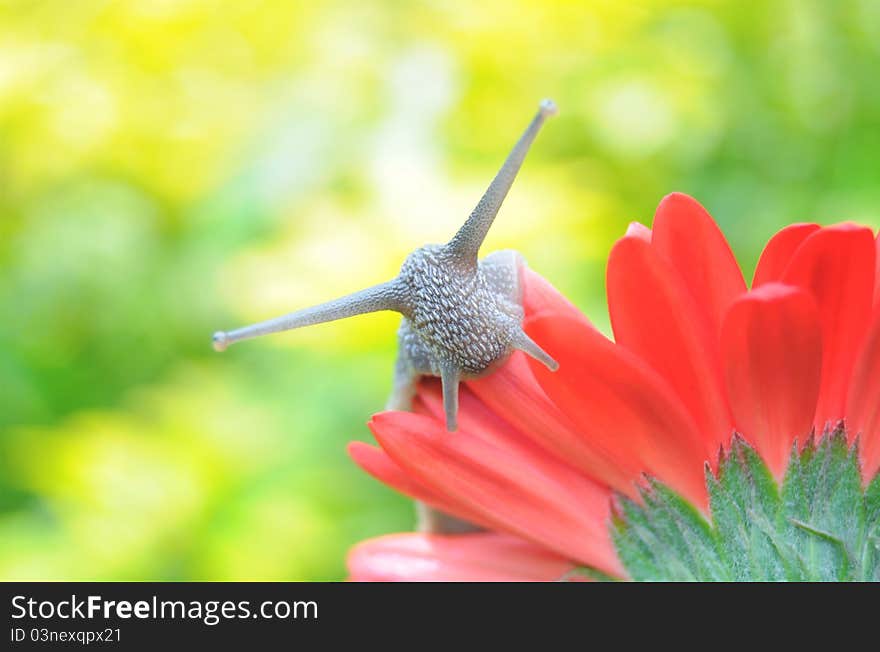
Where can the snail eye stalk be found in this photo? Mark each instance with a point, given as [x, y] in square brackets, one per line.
[467, 242]
[386, 296]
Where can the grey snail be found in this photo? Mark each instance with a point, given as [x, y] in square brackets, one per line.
[461, 316]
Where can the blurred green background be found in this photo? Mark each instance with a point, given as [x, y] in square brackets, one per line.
[168, 168]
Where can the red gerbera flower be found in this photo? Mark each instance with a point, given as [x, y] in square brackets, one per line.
[696, 357]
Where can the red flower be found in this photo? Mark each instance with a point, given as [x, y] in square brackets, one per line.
[695, 357]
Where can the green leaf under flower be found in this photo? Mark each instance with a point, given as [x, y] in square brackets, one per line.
[820, 525]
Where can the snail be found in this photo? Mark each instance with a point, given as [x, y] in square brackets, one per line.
[462, 316]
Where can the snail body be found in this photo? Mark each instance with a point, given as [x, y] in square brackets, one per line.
[461, 316]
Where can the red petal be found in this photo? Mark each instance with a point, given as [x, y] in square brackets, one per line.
[474, 416]
[376, 462]
[655, 316]
[690, 240]
[771, 344]
[484, 421]
[513, 391]
[836, 264]
[514, 488]
[479, 557]
[877, 273]
[638, 230]
[779, 251]
[618, 402]
[541, 298]
[863, 401]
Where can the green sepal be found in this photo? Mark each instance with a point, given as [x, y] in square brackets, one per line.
[587, 573]
[665, 538]
[872, 530]
[819, 526]
[824, 510]
[744, 501]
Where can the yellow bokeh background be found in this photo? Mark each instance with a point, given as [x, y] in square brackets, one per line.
[171, 167]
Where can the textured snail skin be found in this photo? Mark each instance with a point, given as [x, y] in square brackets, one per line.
[459, 321]
[461, 316]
